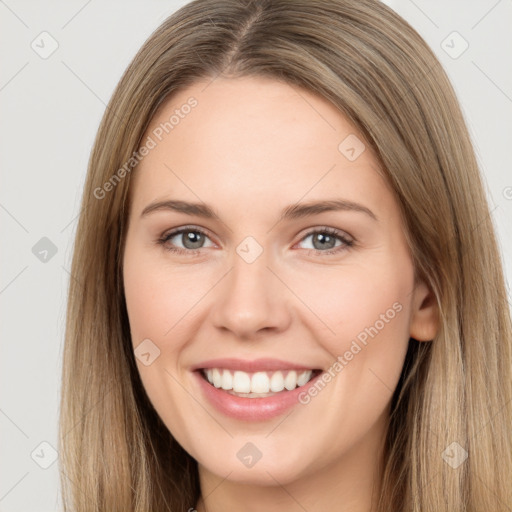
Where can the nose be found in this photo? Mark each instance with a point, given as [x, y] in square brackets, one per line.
[251, 299]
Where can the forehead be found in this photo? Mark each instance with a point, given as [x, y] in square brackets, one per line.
[251, 138]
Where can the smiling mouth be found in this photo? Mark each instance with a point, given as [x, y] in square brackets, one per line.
[257, 384]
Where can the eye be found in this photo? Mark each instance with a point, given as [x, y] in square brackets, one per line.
[328, 241]
[191, 239]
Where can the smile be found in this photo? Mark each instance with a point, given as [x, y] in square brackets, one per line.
[256, 390]
[257, 384]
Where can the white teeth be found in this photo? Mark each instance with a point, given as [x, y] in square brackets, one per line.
[277, 382]
[304, 377]
[217, 378]
[256, 383]
[227, 380]
[260, 383]
[290, 382]
[241, 382]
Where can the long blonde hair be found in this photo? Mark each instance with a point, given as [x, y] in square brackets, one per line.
[116, 454]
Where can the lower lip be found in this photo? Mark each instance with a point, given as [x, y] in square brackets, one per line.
[251, 409]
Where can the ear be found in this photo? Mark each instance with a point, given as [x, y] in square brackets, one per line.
[424, 322]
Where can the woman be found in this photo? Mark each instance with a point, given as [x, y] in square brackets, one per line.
[287, 290]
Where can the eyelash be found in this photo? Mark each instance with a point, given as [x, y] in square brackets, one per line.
[346, 242]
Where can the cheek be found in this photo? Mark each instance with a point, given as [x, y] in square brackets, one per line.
[361, 313]
[160, 300]
[349, 299]
[160, 304]
[368, 308]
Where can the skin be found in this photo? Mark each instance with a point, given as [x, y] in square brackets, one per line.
[250, 148]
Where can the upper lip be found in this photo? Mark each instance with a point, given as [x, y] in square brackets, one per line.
[255, 365]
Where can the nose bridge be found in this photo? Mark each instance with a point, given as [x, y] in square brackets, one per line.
[251, 297]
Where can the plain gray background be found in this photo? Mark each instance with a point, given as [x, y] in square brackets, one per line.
[51, 108]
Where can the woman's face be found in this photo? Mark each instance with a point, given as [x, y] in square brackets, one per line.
[293, 265]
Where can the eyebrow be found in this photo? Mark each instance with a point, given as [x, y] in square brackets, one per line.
[295, 211]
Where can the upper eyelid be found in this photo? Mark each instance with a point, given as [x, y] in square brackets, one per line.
[178, 231]
[310, 231]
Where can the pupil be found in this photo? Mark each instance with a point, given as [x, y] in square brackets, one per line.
[325, 239]
[193, 239]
